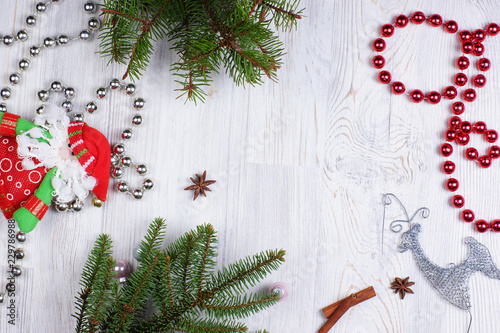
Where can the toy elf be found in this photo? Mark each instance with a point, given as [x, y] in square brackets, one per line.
[49, 160]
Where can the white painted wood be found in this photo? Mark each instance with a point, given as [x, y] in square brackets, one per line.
[301, 165]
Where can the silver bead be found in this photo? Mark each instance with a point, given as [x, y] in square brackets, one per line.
[148, 184]
[49, 42]
[122, 187]
[35, 51]
[16, 271]
[2, 297]
[10, 287]
[56, 86]
[8, 40]
[137, 120]
[89, 7]
[31, 21]
[63, 40]
[40, 110]
[126, 161]
[138, 193]
[3, 107]
[76, 206]
[78, 118]
[115, 159]
[21, 237]
[91, 107]
[139, 103]
[14, 78]
[84, 35]
[19, 254]
[117, 172]
[61, 206]
[5, 93]
[142, 169]
[69, 92]
[127, 134]
[43, 95]
[22, 35]
[24, 64]
[67, 106]
[130, 89]
[101, 93]
[94, 23]
[119, 149]
[114, 84]
[40, 7]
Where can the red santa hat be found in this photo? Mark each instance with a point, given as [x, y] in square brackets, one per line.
[92, 150]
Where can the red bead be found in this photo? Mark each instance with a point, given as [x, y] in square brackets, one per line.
[461, 79]
[463, 63]
[466, 127]
[494, 152]
[450, 92]
[435, 20]
[479, 35]
[458, 108]
[401, 21]
[484, 161]
[451, 26]
[418, 18]
[379, 45]
[384, 77]
[478, 49]
[450, 135]
[479, 127]
[448, 167]
[481, 225]
[483, 64]
[434, 97]
[471, 154]
[467, 215]
[398, 88]
[378, 61]
[492, 29]
[495, 226]
[452, 184]
[446, 149]
[469, 95]
[417, 96]
[387, 30]
[454, 122]
[462, 139]
[464, 36]
[479, 80]
[491, 136]
[458, 201]
[467, 47]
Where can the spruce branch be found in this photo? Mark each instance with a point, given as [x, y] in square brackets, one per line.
[207, 35]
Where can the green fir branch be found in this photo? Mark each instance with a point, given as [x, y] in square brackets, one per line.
[238, 307]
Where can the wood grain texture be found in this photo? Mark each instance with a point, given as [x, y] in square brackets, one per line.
[300, 165]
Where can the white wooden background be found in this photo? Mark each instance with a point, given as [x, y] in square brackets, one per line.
[300, 165]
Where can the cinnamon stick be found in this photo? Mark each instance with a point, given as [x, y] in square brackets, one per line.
[359, 297]
[344, 305]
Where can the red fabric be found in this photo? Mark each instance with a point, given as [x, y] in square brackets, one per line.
[8, 124]
[98, 146]
[16, 184]
[36, 206]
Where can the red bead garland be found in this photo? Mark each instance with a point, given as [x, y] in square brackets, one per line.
[459, 131]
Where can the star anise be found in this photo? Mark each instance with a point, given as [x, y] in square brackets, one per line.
[402, 286]
[200, 185]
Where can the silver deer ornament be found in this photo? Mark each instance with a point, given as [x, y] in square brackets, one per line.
[452, 282]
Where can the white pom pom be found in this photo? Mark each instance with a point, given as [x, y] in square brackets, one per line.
[89, 183]
[23, 151]
[23, 140]
[80, 192]
[35, 132]
[39, 121]
[28, 164]
[57, 183]
[65, 194]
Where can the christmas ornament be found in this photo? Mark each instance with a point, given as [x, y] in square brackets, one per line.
[459, 131]
[200, 185]
[451, 282]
